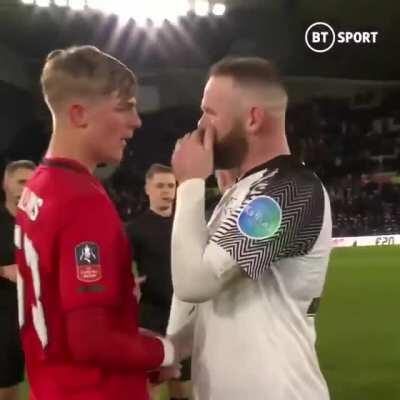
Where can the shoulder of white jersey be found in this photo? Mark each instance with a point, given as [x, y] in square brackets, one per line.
[281, 216]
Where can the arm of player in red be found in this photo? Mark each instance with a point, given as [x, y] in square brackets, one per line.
[92, 338]
[92, 289]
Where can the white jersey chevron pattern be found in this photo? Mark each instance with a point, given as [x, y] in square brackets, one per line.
[301, 199]
[256, 338]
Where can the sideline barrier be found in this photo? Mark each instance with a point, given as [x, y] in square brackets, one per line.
[383, 240]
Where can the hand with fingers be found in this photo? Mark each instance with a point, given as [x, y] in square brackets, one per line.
[165, 374]
[193, 156]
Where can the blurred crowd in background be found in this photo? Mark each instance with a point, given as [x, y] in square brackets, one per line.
[354, 150]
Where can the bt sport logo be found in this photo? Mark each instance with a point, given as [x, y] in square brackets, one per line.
[320, 37]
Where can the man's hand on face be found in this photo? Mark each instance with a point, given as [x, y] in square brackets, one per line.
[193, 156]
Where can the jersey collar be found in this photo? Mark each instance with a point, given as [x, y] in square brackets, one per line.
[65, 163]
[281, 161]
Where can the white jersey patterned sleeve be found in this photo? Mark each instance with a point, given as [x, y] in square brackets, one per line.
[257, 273]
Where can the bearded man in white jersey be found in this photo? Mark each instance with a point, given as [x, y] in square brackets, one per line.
[257, 271]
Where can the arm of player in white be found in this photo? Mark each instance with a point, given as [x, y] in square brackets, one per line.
[181, 327]
[199, 269]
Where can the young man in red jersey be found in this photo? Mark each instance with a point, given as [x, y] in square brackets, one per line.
[78, 314]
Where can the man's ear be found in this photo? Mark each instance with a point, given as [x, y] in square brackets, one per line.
[146, 187]
[78, 115]
[255, 119]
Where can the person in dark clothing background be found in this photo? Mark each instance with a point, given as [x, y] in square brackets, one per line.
[16, 175]
[150, 237]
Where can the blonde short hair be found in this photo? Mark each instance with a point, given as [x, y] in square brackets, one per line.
[84, 72]
[157, 169]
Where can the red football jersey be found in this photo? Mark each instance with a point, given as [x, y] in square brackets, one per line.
[72, 253]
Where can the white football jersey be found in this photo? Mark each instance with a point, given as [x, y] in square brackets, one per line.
[255, 340]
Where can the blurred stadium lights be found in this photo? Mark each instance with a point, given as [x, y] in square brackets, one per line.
[201, 8]
[219, 9]
[155, 10]
[43, 3]
[109, 6]
[77, 4]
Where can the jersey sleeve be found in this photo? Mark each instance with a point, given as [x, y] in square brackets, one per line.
[279, 218]
[91, 249]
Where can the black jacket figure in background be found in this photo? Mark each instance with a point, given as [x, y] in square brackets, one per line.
[16, 175]
[150, 236]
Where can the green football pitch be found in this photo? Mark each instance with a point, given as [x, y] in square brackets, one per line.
[359, 326]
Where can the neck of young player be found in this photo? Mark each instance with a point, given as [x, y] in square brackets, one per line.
[265, 148]
[67, 145]
[162, 211]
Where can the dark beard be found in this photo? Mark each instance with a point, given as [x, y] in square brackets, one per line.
[230, 152]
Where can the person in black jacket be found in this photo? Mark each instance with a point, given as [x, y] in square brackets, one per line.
[16, 175]
[150, 237]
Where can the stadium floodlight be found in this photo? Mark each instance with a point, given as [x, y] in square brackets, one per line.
[43, 3]
[106, 6]
[219, 9]
[201, 8]
[158, 12]
[153, 14]
[77, 4]
[141, 21]
[61, 3]
[182, 7]
[157, 21]
[27, 1]
[178, 8]
[155, 10]
[168, 11]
